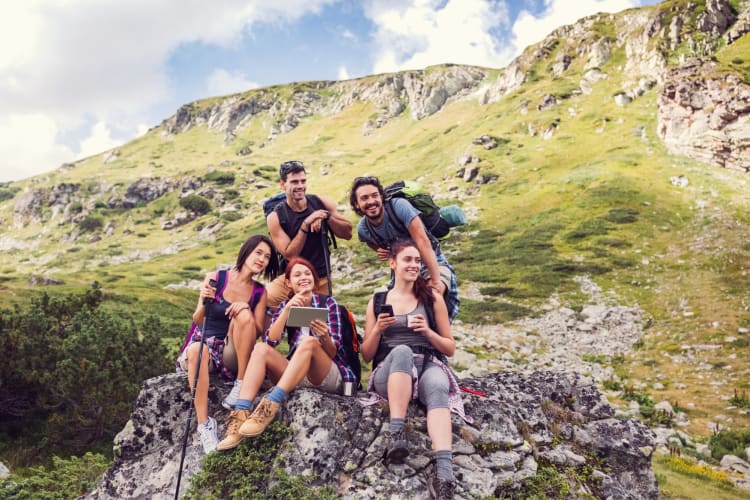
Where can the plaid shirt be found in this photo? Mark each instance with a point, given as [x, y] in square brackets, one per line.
[334, 330]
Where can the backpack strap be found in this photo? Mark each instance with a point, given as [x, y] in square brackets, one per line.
[282, 211]
[258, 289]
[221, 283]
[375, 236]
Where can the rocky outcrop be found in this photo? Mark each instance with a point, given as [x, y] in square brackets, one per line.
[546, 422]
[143, 191]
[705, 114]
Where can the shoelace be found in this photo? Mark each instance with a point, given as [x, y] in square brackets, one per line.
[263, 411]
[234, 423]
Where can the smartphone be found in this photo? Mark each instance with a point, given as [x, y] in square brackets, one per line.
[387, 309]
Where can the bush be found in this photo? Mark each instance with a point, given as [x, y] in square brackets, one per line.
[220, 177]
[73, 367]
[729, 443]
[196, 204]
[231, 216]
[7, 194]
[91, 223]
[64, 479]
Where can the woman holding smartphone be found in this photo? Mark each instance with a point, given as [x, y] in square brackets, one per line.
[235, 316]
[314, 358]
[408, 336]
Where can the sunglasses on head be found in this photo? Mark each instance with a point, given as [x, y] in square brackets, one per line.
[290, 165]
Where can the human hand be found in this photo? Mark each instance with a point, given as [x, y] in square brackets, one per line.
[207, 292]
[300, 299]
[314, 221]
[438, 285]
[383, 253]
[384, 321]
[234, 309]
[418, 323]
[319, 328]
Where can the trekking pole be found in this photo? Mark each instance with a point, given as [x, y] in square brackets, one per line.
[206, 301]
[326, 254]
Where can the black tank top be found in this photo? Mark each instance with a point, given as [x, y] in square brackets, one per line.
[291, 223]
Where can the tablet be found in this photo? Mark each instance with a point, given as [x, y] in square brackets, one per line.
[302, 316]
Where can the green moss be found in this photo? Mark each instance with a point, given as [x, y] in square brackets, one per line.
[248, 472]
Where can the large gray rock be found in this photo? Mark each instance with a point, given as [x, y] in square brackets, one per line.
[525, 423]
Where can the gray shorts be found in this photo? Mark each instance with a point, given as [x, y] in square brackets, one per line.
[331, 383]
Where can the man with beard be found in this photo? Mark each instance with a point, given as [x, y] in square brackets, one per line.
[376, 228]
[295, 226]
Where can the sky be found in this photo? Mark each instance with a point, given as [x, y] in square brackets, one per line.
[78, 77]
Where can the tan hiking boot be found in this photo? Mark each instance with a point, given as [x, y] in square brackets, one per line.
[233, 437]
[261, 417]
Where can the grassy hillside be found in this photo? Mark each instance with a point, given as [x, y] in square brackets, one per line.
[594, 198]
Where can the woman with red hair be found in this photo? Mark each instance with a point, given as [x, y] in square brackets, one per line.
[314, 359]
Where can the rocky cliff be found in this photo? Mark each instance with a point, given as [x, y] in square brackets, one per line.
[705, 114]
[539, 423]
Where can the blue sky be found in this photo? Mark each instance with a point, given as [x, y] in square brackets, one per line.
[78, 77]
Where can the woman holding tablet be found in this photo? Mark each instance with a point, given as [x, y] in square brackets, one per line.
[314, 358]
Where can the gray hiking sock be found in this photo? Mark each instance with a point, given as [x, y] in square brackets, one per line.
[395, 425]
[444, 464]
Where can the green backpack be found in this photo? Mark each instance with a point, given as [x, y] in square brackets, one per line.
[429, 211]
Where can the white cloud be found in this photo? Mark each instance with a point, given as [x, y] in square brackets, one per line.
[28, 146]
[223, 82]
[343, 73]
[528, 29]
[99, 140]
[348, 35]
[68, 62]
[420, 33]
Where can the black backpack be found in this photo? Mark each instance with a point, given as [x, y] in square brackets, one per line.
[351, 341]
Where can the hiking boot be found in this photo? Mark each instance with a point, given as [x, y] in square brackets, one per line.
[233, 437]
[398, 448]
[230, 401]
[207, 433]
[260, 418]
[441, 489]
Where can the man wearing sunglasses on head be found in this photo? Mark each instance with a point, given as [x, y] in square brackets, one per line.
[380, 231]
[298, 227]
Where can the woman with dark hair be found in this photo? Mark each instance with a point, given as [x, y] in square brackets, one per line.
[315, 358]
[234, 308]
[408, 336]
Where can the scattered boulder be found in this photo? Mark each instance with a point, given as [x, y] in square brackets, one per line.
[486, 141]
[679, 181]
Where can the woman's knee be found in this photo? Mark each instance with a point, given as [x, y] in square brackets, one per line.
[434, 388]
[306, 346]
[260, 350]
[402, 359]
[244, 321]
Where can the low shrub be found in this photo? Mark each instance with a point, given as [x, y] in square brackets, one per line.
[728, 442]
[65, 478]
[196, 204]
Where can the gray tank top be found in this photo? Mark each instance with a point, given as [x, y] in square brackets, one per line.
[400, 334]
